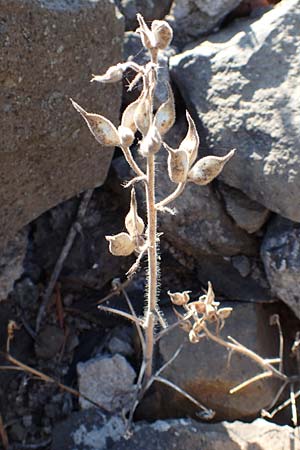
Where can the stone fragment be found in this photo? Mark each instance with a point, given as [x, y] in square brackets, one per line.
[243, 83]
[11, 263]
[150, 10]
[49, 50]
[49, 342]
[192, 18]
[280, 252]
[107, 381]
[206, 371]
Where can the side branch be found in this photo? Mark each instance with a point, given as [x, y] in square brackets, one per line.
[171, 197]
[129, 158]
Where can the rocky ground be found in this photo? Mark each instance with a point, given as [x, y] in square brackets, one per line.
[234, 64]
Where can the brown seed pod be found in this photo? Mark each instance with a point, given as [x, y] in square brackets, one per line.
[178, 164]
[179, 298]
[151, 142]
[162, 32]
[208, 168]
[126, 136]
[165, 116]
[191, 141]
[102, 129]
[121, 244]
[133, 222]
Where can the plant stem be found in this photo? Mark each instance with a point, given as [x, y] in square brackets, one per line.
[152, 268]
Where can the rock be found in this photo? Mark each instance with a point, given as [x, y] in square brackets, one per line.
[192, 18]
[89, 260]
[26, 294]
[47, 154]
[280, 252]
[247, 214]
[249, 101]
[204, 370]
[149, 9]
[87, 430]
[121, 341]
[107, 381]
[11, 263]
[134, 51]
[49, 342]
[192, 435]
[242, 264]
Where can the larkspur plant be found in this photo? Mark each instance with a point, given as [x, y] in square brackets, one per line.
[182, 168]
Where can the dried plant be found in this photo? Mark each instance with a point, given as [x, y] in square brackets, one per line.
[140, 121]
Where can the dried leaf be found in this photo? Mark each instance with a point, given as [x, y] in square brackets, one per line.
[102, 129]
[208, 168]
[165, 116]
[121, 244]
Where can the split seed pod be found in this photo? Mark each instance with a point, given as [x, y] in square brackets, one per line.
[193, 337]
[142, 114]
[127, 120]
[151, 142]
[147, 37]
[179, 298]
[208, 168]
[162, 32]
[191, 141]
[165, 116]
[121, 244]
[102, 129]
[133, 222]
[178, 164]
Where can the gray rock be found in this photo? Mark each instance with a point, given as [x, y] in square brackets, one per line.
[149, 9]
[11, 263]
[107, 381]
[280, 252]
[204, 370]
[87, 430]
[49, 49]
[121, 341]
[247, 214]
[49, 342]
[243, 84]
[191, 18]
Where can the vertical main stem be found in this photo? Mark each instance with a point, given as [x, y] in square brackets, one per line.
[152, 268]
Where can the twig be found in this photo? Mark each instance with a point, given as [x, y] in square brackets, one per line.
[276, 321]
[63, 255]
[246, 383]
[283, 405]
[129, 158]
[119, 313]
[137, 321]
[171, 197]
[293, 406]
[276, 398]
[116, 290]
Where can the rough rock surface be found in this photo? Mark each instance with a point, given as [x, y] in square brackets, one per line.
[87, 430]
[243, 83]
[204, 370]
[11, 263]
[280, 252]
[149, 9]
[191, 18]
[49, 49]
[106, 380]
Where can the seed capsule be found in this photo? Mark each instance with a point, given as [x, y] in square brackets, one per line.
[142, 114]
[113, 74]
[102, 129]
[191, 141]
[133, 222]
[147, 37]
[193, 337]
[165, 116]
[178, 164]
[162, 32]
[151, 142]
[128, 116]
[224, 313]
[208, 168]
[179, 298]
[126, 136]
[121, 244]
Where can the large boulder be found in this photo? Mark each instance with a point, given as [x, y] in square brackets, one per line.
[280, 252]
[49, 49]
[243, 83]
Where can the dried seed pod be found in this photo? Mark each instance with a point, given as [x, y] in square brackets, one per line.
[179, 298]
[147, 37]
[199, 307]
[113, 74]
[126, 136]
[210, 296]
[151, 142]
[208, 168]
[128, 116]
[121, 244]
[102, 129]
[133, 222]
[224, 313]
[162, 32]
[142, 114]
[165, 116]
[191, 141]
[193, 337]
[178, 164]
[198, 326]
